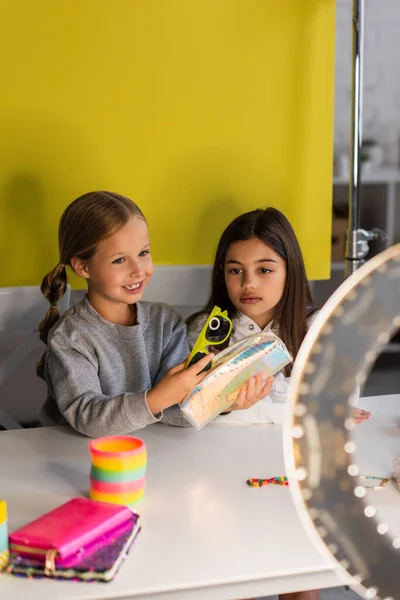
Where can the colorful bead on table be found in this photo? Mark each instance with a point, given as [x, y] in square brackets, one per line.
[255, 482]
[3, 535]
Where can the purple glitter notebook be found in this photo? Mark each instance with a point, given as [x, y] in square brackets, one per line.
[99, 565]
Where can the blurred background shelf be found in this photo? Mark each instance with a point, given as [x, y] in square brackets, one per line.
[380, 207]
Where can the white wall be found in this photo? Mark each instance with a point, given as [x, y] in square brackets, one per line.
[381, 114]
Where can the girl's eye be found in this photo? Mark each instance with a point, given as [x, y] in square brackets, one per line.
[264, 270]
[144, 252]
[235, 271]
[118, 261]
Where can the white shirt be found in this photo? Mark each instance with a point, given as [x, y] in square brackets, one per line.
[243, 327]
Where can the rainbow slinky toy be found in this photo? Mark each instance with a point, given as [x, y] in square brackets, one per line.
[118, 472]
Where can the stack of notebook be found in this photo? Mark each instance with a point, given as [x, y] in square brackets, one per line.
[82, 540]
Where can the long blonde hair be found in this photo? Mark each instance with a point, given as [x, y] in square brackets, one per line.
[86, 222]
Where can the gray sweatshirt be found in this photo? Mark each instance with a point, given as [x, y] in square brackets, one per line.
[98, 373]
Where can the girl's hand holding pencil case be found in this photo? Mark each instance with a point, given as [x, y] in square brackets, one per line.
[259, 353]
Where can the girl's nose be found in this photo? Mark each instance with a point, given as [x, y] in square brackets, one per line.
[136, 270]
[248, 284]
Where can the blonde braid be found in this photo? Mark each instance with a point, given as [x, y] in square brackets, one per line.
[53, 287]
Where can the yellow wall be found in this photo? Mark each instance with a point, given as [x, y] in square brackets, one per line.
[197, 109]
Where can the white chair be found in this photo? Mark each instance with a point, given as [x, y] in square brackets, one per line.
[22, 392]
[183, 287]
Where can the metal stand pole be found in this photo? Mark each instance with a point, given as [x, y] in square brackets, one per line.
[357, 239]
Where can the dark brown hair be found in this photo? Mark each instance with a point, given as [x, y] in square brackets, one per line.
[272, 228]
[86, 222]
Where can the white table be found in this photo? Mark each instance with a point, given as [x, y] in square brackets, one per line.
[377, 444]
[205, 534]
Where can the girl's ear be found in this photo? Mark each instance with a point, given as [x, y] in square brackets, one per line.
[80, 267]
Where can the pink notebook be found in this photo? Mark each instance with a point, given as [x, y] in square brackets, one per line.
[99, 561]
[59, 534]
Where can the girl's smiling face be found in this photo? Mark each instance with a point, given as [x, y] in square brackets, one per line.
[119, 271]
[255, 277]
